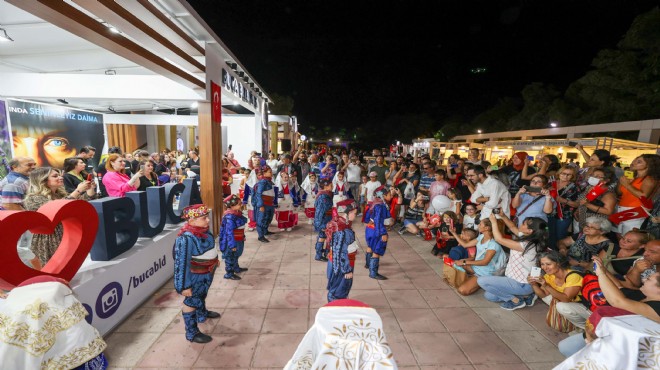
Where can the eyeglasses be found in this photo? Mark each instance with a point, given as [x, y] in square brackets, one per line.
[591, 227]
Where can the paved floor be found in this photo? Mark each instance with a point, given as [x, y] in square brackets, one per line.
[265, 315]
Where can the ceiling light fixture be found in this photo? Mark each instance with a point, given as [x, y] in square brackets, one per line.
[154, 107]
[111, 109]
[110, 72]
[63, 101]
[194, 105]
[4, 37]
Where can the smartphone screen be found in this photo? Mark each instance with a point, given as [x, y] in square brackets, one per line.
[90, 177]
[531, 158]
[629, 174]
[535, 272]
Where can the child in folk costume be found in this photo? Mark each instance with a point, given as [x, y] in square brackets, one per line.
[264, 202]
[343, 248]
[322, 215]
[311, 188]
[376, 230]
[339, 188]
[195, 260]
[232, 236]
[248, 190]
[287, 194]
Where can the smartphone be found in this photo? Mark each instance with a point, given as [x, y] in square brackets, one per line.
[535, 272]
[530, 158]
[451, 223]
[494, 168]
[629, 174]
[572, 143]
[142, 167]
[90, 177]
[532, 189]
[453, 165]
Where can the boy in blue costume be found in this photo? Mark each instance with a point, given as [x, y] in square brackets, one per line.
[195, 260]
[264, 202]
[232, 236]
[322, 214]
[376, 231]
[343, 248]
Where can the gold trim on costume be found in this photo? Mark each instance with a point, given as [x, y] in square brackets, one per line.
[78, 357]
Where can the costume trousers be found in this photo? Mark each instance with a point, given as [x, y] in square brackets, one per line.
[375, 242]
[200, 288]
[338, 285]
[231, 262]
[264, 219]
[320, 246]
[240, 246]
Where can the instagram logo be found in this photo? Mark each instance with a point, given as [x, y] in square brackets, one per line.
[109, 300]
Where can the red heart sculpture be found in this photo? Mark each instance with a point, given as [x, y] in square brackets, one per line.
[80, 222]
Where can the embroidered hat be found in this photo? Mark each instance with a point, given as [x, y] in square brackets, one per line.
[324, 182]
[346, 205]
[232, 200]
[195, 211]
[381, 191]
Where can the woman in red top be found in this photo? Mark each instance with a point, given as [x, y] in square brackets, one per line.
[641, 188]
[227, 178]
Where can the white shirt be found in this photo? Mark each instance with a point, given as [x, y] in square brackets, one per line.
[353, 172]
[499, 196]
[371, 186]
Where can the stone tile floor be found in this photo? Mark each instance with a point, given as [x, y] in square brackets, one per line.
[266, 314]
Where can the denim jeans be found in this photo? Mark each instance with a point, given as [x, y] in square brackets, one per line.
[571, 345]
[558, 230]
[502, 288]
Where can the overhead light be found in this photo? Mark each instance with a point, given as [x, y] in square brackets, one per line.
[4, 37]
[252, 84]
[113, 29]
[337, 139]
[246, 79]
[63, 101]
[303, 137]
[194, 105]
[111, 109]
[269, 111]
[554, 124]
[478, 131]
[154, 107]
[110, 72]
[232, 65]
[234, 102]
[241, 74]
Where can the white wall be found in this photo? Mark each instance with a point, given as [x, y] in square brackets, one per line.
[244, 134]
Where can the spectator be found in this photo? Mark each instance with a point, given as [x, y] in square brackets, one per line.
[227, 179]
[598, 199]
[428, 177]
[592, 242]
[234, 166]
[14, 186]
[328, 168]
[291, 169]
[599, 159]
[488, 260]
[564, 191]
[562, 285]
[194, 163]
[116, 182]
[409, 183]
[47, 184]
[514, 172]
[391, 173]
[73, 168]
[413, 215]
[489, 193]
[273, 163]
[646, 266]
[372, 185]
[632, 192]
[533, 203]
[440, 185]
[300, 161]
[353, 171]
[513, 289]
[473, 157]
[630, 245]
[380, 169]
[149, 177]
[470, 218]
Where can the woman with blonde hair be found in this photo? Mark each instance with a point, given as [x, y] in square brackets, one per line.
[47, 184]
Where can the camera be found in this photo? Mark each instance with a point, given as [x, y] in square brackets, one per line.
[572, 143]
[496, 211]
[532, 189]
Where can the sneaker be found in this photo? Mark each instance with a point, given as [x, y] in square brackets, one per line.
[531, 299]
[420, 234]
[510, 305]
[402, 231]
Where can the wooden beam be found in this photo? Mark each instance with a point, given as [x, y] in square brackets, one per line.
[80, 24]
[210, 147]
[168, 22]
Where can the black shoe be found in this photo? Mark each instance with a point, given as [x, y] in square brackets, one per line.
[212, 315]
[435, 251]
[234, 277]
[241, 269]
[263, 240]
[379, 277]
[201, 338]
[323, 259]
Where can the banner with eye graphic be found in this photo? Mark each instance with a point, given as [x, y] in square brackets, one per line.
[50, 133]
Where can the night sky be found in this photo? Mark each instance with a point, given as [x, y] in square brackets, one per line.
[348, 63]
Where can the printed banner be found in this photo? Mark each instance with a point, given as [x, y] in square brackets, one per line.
[50, 133]
[5, 141]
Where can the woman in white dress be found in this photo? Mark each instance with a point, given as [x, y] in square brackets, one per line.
[339, 189]
[311, 188]
[287, 195]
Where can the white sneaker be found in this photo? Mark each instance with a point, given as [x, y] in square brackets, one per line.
[281, 230]
[288, 229]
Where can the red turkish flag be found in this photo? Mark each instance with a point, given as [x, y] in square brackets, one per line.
[631, 214]
[216, 103]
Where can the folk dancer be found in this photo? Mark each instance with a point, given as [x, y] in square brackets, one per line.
[232, 236]
[322, 214]
[339, 188]
[311, 189]
[287, 194]
[264, 202]
[376, 230]
[343, 249]
[195, 260]
[248, 191]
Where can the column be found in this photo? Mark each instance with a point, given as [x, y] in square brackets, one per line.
[210, 147]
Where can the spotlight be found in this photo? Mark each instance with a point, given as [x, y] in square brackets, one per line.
[337, 139]
[4, 37]
[63, 101]
[554, 124]
[194, 105]
[241, 74]
[478, 131]
[110, 72]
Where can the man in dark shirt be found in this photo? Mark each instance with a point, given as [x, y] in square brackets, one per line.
[193, 163]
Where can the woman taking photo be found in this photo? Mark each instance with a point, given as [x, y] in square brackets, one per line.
[533, 203]
[560, 286]
[47, 184]
[149, 177]
[514, 172]
[563, 190]
[646, 172]
[549, 167]
[73, 168]
[116, 182]
[600, 158]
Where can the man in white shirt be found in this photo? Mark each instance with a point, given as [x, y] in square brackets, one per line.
[489, 194]
[353, 171]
